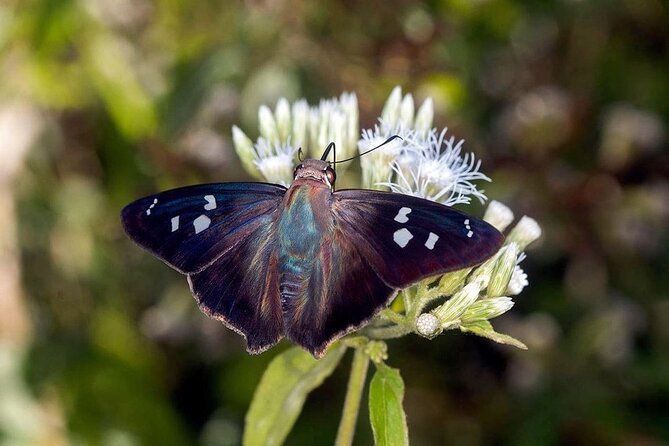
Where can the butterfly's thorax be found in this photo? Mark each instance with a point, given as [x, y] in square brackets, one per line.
[304, 225]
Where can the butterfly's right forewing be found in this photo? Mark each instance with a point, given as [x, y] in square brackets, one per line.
[192, 226]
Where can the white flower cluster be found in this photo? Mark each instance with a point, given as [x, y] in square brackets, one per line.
[433, 167]
[291, 127]
[424, 162]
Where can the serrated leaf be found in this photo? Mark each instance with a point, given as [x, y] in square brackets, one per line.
[386, 413]
[284, 387]
[484, 329]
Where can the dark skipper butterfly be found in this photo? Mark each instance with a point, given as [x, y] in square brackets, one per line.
[307, 262]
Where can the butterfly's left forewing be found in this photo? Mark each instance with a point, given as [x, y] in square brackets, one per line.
[222, 236]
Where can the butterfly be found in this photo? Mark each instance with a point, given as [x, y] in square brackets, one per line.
[305, 262]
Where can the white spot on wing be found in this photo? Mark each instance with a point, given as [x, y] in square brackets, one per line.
[401, 216]
[402, 237]
[148, 211]
[175, 223]
[211, 202]
[201, 223]
[469, 228]
[431, 240]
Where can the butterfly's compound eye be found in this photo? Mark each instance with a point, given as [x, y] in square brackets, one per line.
[330, 173]
[298, 167]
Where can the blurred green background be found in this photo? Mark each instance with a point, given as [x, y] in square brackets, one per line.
[103, 101]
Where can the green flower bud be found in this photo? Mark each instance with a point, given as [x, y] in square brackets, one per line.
[502, 270]
[391, 110]
[485, 309]
[245, 151]
[450, 312]
[349, 104]
[314, 130]
[282, 115]
[337, 131]
[407, 111]
[453, 281]
[424, 117]
[268, 129]
[482, 274]
[300, 112]
[377, 351]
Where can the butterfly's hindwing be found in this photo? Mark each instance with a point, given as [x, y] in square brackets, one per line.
[192, 226]
[407, 238]
[241, 289]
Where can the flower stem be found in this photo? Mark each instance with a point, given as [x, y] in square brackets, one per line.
[356, 384]
[392, 332]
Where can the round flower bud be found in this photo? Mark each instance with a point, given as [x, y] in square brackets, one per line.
[428, 325]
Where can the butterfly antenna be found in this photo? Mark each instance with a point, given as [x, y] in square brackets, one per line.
[392, 138]
[334, 162]
[332, 147]
[327, 151]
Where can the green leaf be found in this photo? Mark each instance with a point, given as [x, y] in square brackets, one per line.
[484, 329]
[386, 414]
[279, 397]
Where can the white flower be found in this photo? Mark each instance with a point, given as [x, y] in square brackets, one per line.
[433, 168]
[275, 161]
[525, 232]
[499, 215]
[518, 282]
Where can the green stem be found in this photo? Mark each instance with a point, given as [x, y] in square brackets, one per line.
[356, 384]
[392, 332]
[393, 317]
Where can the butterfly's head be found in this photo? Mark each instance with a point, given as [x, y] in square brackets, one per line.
[316, 170]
